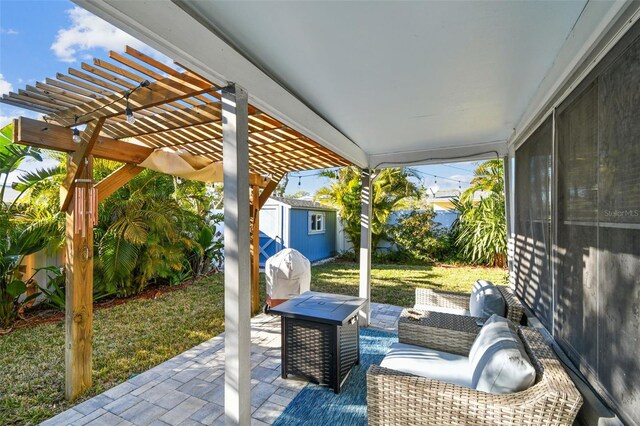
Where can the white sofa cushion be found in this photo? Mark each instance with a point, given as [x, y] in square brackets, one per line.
[498, 359]
[486, 300]
[429, 363]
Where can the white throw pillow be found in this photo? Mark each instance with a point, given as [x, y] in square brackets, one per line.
[486, 300]
[499, 360]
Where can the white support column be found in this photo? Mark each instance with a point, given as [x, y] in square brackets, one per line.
[237, 264]
[509, 182]
[365, 247]
[507, 207]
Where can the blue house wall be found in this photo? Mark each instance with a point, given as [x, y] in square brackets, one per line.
[313, 246]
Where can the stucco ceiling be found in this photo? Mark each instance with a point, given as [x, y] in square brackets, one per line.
[397, 77]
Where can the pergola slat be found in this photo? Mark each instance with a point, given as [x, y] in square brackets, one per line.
[26, 105]
[51, 96]
[71, 95]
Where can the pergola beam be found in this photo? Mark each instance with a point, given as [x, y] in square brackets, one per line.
[32, 132]
[116, 180]
[268, 190]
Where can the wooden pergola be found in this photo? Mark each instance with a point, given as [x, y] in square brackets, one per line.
[175, 109]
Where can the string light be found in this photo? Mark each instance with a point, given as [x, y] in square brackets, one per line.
[299, 179]
[458, 181]
[129, 113]
[76, 135]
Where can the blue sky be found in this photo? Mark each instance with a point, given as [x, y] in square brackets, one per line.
[41, 38]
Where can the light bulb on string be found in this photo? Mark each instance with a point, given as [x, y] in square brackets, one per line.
[131, 119]
[434, 188]
[75, 132]
[129, 113]
[76, 136]
[299, 181]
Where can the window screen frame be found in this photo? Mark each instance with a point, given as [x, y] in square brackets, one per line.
[312, 227]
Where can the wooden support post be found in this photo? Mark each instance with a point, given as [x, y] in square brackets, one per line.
[365, 246]
[237, 263]
[255, 250]
[79, 299]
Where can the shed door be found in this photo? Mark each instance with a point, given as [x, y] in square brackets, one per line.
[271, 232]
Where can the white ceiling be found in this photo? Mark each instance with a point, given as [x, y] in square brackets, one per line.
[387, 83]
[397, 77]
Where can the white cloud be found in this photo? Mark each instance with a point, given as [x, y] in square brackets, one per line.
[463, 178]
[8, 31]
[7, 114]
[87, 31]
[5, 86]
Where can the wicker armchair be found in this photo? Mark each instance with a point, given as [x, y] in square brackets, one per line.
[396, 398]
[445, 299]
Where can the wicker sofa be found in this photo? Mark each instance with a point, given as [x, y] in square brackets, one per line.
[396, 398]
[426, 297]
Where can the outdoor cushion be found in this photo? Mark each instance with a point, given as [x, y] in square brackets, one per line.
[486, 300]
[498, 360]
[432, 308]
[429, 363]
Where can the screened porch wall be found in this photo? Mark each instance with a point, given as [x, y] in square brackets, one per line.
[532, 247]
[585, 285]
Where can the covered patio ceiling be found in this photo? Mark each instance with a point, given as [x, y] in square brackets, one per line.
[378, 83]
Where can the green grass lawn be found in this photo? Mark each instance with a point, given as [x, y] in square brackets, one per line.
[135, 336]
[395, 284]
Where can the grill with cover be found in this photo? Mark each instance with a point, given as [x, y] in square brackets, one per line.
[288, 274]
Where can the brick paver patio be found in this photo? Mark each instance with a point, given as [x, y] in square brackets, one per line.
[189, 388]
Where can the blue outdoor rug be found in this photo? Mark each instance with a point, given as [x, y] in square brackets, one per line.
[318, 405]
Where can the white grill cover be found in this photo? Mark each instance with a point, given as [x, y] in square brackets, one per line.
[288, 274]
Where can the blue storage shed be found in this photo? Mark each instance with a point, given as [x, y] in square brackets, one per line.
[300, 224]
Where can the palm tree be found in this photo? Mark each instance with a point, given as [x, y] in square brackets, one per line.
[481, 227]
[392, 188]
[145, 232]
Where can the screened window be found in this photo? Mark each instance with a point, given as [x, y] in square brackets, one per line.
[316, 223]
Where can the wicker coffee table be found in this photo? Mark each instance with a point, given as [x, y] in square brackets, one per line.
[320, 337]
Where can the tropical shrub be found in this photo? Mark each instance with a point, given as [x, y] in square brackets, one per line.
[392, 188]
[19, 235]
[155, 229]
[54, 291]
[417, 233]
[142, 234]
[481, 232]
[207, 255]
